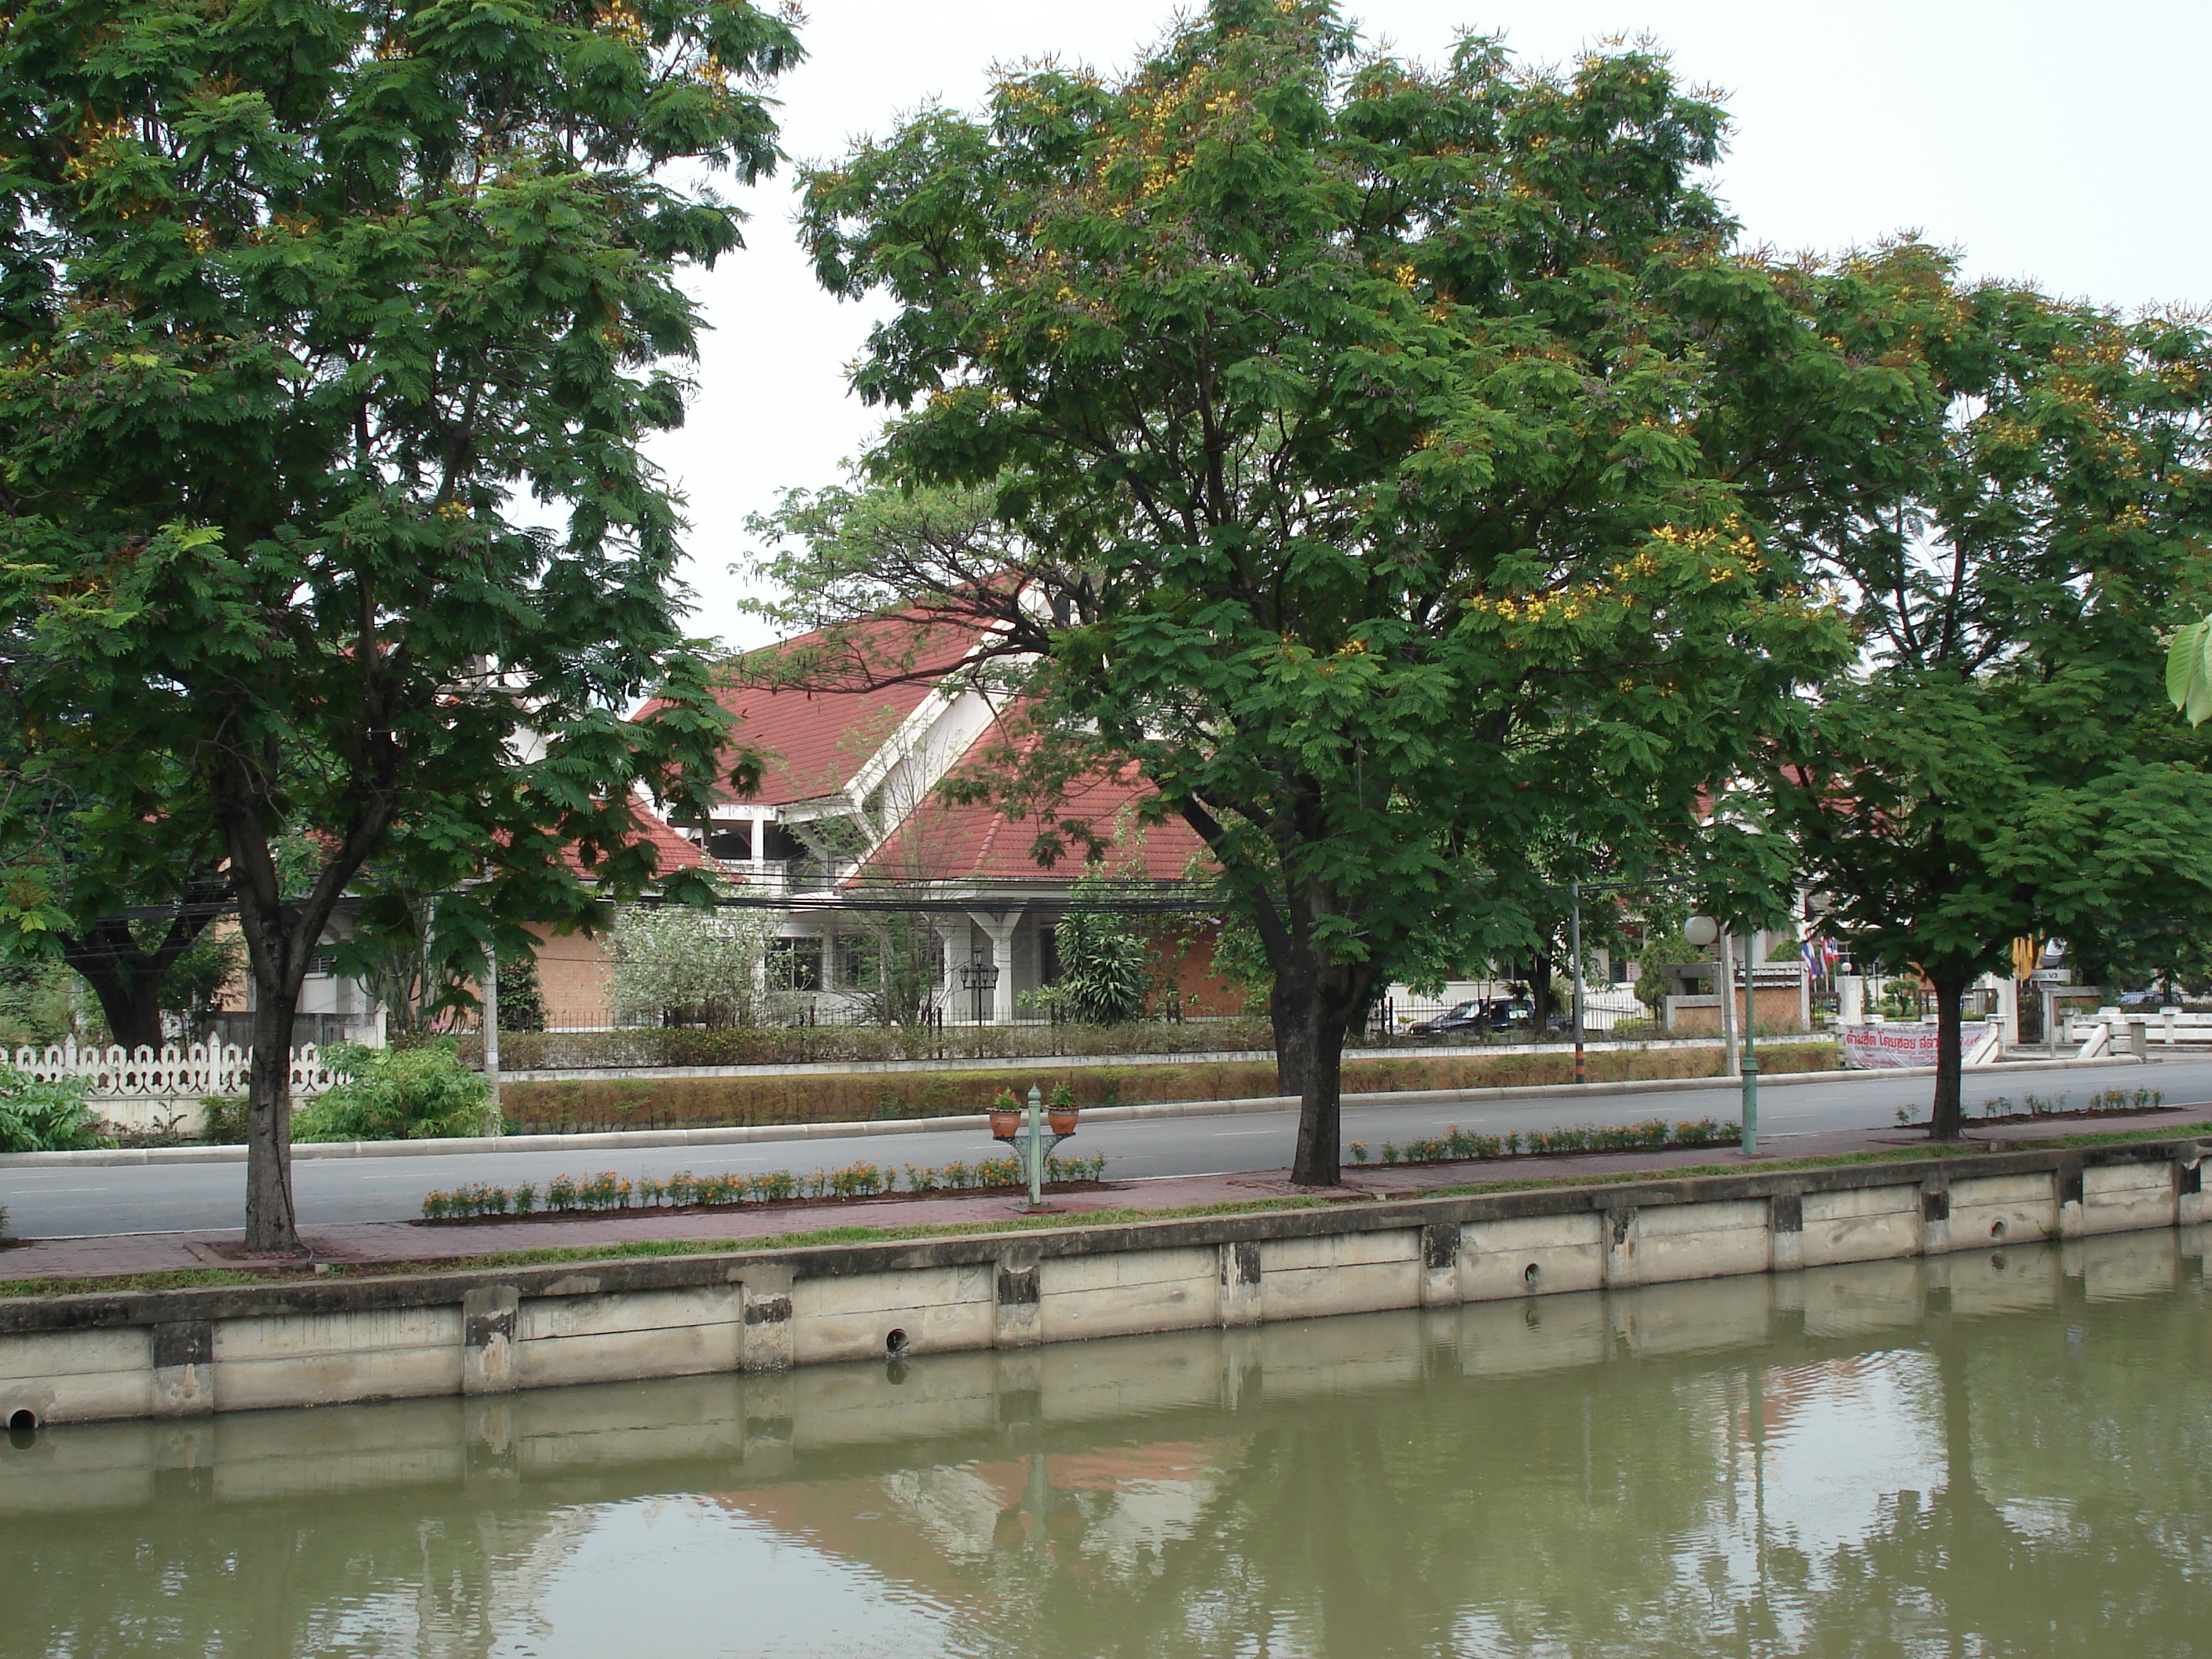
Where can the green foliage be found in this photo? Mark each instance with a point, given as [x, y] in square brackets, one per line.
[675, 965]
[1455, 1146]
[38, 1003]
[2189, 671]
[223, 1120]
[311, 313]
[521, 1003]
[38, 1116]
[398, 1094]
[1397, 465]
[1105, 968]
[568, 1194]
[2000, 761]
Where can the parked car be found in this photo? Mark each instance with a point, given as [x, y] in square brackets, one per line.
[2152, 998]
[1460, 1016]
[1480, 1016]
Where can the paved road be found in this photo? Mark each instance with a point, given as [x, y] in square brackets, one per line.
[64, 1203]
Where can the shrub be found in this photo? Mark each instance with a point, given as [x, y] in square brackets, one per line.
[398, 1094]
[609, 1191]
[223, 1120]
[38, 1116]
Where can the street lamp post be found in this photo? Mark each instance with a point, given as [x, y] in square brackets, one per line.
[979, 975]
[1701, 932]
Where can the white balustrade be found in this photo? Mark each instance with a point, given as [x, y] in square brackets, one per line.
[169, 1073]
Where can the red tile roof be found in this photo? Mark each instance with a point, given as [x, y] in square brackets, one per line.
[814, 741]
[671, 851]
[939, 843]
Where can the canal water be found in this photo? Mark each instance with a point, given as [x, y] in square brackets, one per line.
[1987, 1455]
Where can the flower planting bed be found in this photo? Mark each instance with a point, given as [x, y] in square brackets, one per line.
[1999, 1109]
[685, 1193]
[1456, 1146]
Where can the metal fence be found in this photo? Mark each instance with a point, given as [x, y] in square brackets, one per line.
[1604, 1007]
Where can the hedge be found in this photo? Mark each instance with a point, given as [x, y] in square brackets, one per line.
[589, 1104]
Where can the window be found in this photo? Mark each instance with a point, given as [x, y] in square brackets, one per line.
[778, 842]
[731, 842]
[794, 965]
[855, 960]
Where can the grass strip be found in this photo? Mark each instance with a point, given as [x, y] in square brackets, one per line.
[552, 1255]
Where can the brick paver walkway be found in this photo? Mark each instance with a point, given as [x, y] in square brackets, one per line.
[398, 1241]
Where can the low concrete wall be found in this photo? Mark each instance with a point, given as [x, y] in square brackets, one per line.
[192, 1353]
[730, 1431]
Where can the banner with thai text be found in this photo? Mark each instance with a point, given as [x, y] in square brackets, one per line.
[1872, 1048]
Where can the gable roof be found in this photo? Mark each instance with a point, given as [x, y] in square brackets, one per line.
[962, 844]
[813, 742]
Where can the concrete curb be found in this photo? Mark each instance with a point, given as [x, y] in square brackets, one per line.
[625, 1140]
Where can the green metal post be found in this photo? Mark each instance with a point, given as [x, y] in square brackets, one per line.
[1750, 1054]
[1037, 1148]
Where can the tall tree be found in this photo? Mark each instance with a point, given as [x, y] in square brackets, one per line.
[1381, 455]
[76, 866]
[301, 302]
[2001, 761]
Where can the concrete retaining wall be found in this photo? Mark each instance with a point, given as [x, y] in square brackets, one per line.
[730, 1431]
[191, 1352]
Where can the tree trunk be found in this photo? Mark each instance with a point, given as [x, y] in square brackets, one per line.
[1945, 1120]
[271, 1224]
[1293, 1053]
[128, 977]
[1539, 996]
[1319, 1043]
[130, 997]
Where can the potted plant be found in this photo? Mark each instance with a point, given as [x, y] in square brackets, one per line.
[1006, 1116]
[1061, 1109]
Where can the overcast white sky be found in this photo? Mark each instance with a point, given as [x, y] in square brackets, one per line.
[2049, 139]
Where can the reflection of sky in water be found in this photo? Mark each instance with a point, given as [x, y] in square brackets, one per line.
[686, 1578]
[1814, 1467]
[1843, 1439]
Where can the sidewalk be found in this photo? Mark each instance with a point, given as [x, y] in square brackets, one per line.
[393, 1242]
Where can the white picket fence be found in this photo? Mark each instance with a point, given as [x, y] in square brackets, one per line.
[125, 1084]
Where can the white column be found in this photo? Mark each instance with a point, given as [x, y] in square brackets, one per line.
[2007, 1010]
[1002, 992]
[999, 930]
[950, 952]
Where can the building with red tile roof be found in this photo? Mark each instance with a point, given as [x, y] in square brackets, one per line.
[855, 730]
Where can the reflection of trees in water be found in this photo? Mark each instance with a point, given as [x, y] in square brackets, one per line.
[2073, 1514]
[2053, 1499]
[370, 1573]
[1368, 1524]
[1618, 1512]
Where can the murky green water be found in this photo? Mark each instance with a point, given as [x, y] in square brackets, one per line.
[2006, 1454]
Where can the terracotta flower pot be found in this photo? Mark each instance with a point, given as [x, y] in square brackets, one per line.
[1062, 1120]
[1005, 1126]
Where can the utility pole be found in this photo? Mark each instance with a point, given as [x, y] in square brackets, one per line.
[1702, 931]
[1575, 945]
[1726, 986]
[491, 1023]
